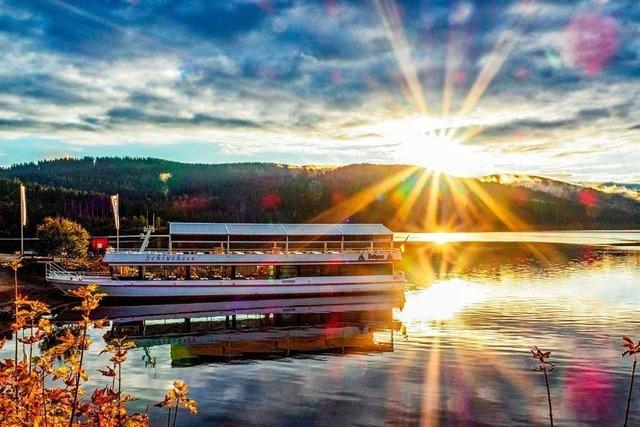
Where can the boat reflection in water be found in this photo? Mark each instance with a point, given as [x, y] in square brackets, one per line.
[229, 330]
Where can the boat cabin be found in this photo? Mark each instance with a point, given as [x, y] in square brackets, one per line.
[219, 251]
[277, 238]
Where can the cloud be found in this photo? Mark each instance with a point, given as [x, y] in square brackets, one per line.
[132, 116]
[41, 87]
[32, 125]
[313, 80]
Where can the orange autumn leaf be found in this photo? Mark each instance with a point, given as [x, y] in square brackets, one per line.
[103, 395]
[109, 372]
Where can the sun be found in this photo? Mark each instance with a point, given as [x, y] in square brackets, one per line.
[440, 153]
[439, 144]
[440, 238]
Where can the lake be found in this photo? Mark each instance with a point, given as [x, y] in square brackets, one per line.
[453, 350]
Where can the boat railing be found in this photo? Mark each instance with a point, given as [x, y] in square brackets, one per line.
[253, 251]
[56, 271]
[286, 246]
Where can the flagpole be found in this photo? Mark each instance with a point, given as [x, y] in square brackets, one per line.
[23, 216]
[116, 218]
[117, 212]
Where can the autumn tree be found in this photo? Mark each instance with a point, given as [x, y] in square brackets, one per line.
[62, 237]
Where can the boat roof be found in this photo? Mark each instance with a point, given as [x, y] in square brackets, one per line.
[264, 229]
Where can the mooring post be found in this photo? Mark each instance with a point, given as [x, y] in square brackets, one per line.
[392, 337]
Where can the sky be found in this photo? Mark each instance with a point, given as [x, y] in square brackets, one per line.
[466, 87]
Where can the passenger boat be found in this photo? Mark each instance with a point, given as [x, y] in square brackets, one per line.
[216, 260]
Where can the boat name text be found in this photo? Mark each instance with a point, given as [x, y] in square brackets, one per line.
[177, 258]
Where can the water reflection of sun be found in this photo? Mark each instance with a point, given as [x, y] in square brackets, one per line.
[440, 301]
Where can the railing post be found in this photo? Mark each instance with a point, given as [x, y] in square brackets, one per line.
[287, 245]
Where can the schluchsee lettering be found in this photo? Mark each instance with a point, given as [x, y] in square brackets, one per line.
[170, 258]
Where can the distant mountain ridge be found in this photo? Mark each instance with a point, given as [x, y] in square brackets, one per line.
[403, 197]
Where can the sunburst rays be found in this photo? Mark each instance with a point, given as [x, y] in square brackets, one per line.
[430, 414]
[405, 208]
[394, 30]
[490, 65]
[505, 43]
[468, 199]
[465, 193]
[364, 198]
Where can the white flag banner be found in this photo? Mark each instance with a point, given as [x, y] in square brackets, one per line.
[23, 205]
[116, 213]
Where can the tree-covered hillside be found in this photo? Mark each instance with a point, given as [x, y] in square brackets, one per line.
[402, 197]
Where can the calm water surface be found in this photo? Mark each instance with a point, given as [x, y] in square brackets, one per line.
[453, 351]
[577, 237]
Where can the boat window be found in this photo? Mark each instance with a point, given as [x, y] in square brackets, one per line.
[287, 271]
[241, 272]
[250, 272]
[154, 273]
[175, 273]
[126, 272]
[198, 273]
[264, 272]
[214, 272]
[253, 272]
[330, 270]
[365, 269]
[310, 270]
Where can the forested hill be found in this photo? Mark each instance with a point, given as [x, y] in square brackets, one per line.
[402, 197]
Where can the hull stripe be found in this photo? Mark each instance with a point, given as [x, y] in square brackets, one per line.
[224, 286]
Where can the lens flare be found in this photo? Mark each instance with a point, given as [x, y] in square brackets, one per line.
[590, 42]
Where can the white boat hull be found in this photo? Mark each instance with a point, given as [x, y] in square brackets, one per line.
[234, 288]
